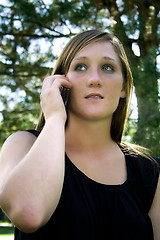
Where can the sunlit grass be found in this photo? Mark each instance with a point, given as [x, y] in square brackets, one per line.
[6, 237]
[6, 231]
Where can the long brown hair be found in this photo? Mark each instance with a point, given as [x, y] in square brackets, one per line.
[63, 63]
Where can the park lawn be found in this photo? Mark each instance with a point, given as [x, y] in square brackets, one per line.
[6, 231]
[6, 237]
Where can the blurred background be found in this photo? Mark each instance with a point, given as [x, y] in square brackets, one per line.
[33, 33]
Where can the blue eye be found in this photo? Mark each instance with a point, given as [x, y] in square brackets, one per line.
[108, 68]
[80, 67]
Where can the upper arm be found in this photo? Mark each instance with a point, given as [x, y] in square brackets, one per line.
[13, 151]
[155, 213]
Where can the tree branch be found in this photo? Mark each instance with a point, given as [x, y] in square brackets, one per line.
[22, 34]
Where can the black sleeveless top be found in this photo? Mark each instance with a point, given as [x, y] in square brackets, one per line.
[89, 210]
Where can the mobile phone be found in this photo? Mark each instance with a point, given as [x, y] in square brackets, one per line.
[65, 95]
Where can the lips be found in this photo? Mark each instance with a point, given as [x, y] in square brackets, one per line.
[94, 96]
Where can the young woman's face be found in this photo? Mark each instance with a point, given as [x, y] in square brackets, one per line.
[97, 82]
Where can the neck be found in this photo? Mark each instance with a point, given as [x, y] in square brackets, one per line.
[82, 135]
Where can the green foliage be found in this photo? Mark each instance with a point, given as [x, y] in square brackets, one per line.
[28, 31]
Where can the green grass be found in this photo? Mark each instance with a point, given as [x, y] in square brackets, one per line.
[6, 229]
[6, 237]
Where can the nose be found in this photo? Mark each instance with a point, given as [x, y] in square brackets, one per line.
[94, 78]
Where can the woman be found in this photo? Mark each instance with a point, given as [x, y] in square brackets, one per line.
[75, 179]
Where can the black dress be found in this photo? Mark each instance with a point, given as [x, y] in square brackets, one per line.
[89, 210]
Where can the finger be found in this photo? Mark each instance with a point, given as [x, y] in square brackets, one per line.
[54, 82]
[48, 81]
[62, 81]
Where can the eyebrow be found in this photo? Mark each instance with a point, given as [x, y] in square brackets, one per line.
[85, 58]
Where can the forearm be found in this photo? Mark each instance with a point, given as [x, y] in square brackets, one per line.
[32, 191]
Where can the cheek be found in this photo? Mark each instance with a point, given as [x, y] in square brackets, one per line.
[114, 87]
[76, 93]
[77, 84]
[73, 78]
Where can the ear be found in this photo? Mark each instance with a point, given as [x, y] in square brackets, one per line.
[123, 92]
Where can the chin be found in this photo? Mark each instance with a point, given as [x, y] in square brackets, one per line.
[92, 114]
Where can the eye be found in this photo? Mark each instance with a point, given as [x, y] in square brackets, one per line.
[80, 67]
[107, 68]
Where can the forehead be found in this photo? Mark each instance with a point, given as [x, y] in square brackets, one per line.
[100, 49]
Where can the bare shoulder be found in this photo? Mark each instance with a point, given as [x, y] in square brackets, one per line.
[13, 150]
[19, 141]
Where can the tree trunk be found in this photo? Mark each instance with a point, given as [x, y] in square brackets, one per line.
[146, 87]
